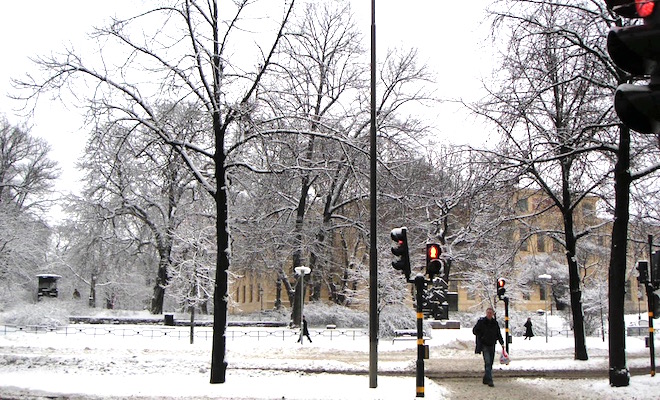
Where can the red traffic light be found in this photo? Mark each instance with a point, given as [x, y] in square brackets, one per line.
[632, 9]
[434, 266]
[433, 251]
[644, 7]
[636, 50]
[501, 290]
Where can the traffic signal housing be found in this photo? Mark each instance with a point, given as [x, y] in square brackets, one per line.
[501, 289]
[631, 8]
[643, 272]
[434, 265]
[636, 49]
[654, 277]
[400, 249]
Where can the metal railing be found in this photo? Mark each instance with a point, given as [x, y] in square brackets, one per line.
[151, 332]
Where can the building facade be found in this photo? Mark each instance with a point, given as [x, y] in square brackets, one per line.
[538, 229]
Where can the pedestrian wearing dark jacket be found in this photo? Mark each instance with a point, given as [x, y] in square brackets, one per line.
[528, 329]
[304, 331]
[487, 333]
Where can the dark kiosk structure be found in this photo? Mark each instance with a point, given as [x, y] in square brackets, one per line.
[47, 285]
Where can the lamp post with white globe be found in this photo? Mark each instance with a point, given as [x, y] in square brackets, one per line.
[302, 271]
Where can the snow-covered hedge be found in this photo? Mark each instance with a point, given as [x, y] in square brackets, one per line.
[47, 313]
[321, 315]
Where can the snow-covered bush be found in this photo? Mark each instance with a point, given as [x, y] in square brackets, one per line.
[19, 294]
[321, 314]
[467, 319]
[48, 313]
[394, 317]
[274, 315]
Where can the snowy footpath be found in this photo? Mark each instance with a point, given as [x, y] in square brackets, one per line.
[155, 362]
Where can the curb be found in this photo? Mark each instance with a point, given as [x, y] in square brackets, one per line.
[436, 374]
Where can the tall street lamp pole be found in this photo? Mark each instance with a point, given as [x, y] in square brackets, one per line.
[546, 278]
[302, 271]
[373, 262]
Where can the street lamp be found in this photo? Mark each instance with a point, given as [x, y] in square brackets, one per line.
[261, 297]
[302, 271]
[547, 278]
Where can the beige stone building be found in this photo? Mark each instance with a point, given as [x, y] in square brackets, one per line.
[538, 236]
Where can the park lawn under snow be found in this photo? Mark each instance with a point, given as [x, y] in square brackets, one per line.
[267, 363]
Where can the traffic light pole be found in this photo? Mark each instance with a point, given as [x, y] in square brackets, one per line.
[421, 348]
[650, 299]
[507, 334]
[651, 307]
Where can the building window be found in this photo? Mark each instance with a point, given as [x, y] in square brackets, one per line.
[540, 243]
[524, 240]
[588, 210]
[522, 205]
[524, 245]
[628, 291]
[542, 292]
[251, 293]
[526, 295]
[244, 293]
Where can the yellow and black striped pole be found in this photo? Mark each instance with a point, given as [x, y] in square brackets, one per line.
[651, 302]
[507, 333]
[648, 280]
[421, 348]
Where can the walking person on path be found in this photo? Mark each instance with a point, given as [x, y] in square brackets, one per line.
[305, 332]
[528, 329]
[487, 332]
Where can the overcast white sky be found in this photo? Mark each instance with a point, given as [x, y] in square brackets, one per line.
[451, 41]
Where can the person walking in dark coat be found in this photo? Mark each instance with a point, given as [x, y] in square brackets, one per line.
[304, 332]
[528, 329]
[487, 332]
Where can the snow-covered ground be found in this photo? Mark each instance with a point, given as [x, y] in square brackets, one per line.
[101, 361]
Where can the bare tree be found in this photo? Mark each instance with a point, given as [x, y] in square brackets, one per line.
[109, 256]
[129, 176]
[313, 203]
[26, 173]
[177, 50]
[569, 84]
[26, 178]
[549, 110]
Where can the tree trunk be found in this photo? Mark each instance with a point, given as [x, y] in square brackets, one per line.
[218, 363]
[296, 316]
[92, 292]
[576, 294]
[192, 324]
[619, 374]
[159, 289]
[278, 293]
[577, 310]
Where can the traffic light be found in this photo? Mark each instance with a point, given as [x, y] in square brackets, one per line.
[636, 50]
[434, 265]
[400, 249]
[501, 289]
[631, 8]
[643, 272]
[655, 270]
